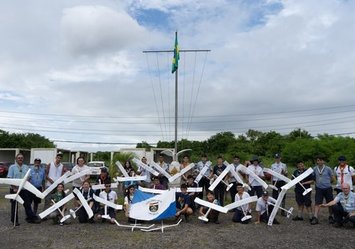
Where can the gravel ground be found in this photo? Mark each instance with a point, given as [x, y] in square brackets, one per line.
[194, 234]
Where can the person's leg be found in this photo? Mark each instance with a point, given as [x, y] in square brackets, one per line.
[26, 196]
[338, 212]
[237, 216]
[233, 191]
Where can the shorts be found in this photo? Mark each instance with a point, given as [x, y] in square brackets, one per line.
[322, 193]
[303, 200]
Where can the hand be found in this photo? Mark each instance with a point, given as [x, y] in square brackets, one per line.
[323, 205]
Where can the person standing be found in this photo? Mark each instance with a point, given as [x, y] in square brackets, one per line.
[37, 177]
[54, 171]
[324, 176]
[280, 168]
[256, 187]
[236, 166]
[204, 182]
[344, 174]
[302, 200]
[164, 166]
[18, 171]
[143, 172]
[220, 188]
[79, 167]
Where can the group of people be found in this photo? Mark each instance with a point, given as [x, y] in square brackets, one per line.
[341, 208]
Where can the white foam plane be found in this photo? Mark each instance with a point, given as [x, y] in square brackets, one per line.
[102, 186]
[145, 166]
[241, 203]
[285, 179]
[160, 191]
[237, 176]
[121, 168]
[284, 189]
[220, 179]
[55, 183]
[210, 207]
[77, 175]
[172, 178]
[56, 206]
[255, 176]
[22, 184]
[84, 203]
[203, 171]
[107, 205]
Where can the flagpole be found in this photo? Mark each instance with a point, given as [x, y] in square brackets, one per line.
[176, 113]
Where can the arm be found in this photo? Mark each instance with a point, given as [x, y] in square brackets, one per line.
[329, 204]
[47, 172]
[257, 218]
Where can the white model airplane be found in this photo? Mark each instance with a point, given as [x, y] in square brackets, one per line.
[241, 203]
[102, 186]
[121, 168]
[172, 178]
[255, 176]
[130, 178]
[161, 228]
[77, 175]
[210, 206]
[220, 179]
[284, 189]
[22, 184]
[203, 171]
[285, 179]
[161, 170]
[56, 206]
[177, 190]
[83, 203]
[55, 183]
[171, 153]
[107, 204]
[145, 166]
[289, 212]
[236, 175]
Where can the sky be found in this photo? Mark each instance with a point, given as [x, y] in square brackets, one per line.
[75, 72]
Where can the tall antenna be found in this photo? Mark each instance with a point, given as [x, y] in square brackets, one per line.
[175, 70]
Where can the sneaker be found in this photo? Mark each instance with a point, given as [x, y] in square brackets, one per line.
[337, 224]
[297, 218]
[331, 220]
[61, 224]
[314, 221]
[275, 222]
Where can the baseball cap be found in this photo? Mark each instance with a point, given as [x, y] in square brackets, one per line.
[277, 155]
[342, 158]
[60, 154]
[265, 193]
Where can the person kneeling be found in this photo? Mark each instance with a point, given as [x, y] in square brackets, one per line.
[111, 196]
[183, 203]
[244, 210]
[212, 215]
[264, 209]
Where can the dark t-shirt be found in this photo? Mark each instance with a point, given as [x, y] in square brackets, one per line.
[181, 202]
[298, 187]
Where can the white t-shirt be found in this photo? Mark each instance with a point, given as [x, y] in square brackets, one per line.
[77, 169]
[55, 171]
[244, 207]
[200, 165]
[347, 172]
[110, 196]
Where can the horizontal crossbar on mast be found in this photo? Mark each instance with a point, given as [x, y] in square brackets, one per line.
[180, 51]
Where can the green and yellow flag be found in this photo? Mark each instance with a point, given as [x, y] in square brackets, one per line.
[176, 55]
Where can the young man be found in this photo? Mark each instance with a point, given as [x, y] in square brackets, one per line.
[220, 188]
[18, 171]
[183, 203]
[243, 210]
[111, 196]
[302, 200]
[344, 174]
[204, 183]
[143, 172]
[213, 214]
[323, 176]
[191, 184]
[345, 212]
[54, 170]
[256, 187]
[236, 165]
[37, 177]
[280, 168]
[157, 184]
[164, 166]
[264, 209]
[184, 164]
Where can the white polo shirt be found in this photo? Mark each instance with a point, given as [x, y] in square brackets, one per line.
[244, 207]
[261, 204]
[258, 171]
[111, 196]
[77, 169]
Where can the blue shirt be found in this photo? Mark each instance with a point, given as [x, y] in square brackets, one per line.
[15, 171]
[323, 177]
[37, 176]
[347, 203]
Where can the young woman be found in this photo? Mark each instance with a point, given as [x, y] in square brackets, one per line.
[58, 195]
[129, 193]
[88, 194]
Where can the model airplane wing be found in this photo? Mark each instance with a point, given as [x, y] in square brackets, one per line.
[77, 175]
[152, 190]
[102, 186]
[183, 171]
[55, 183]
[83, 202]
[236, 175]
[211, 205]
[120, 167]
[131, 178]
[161, 170]
[202, 172]
[278, 175]
[107, 203]
[190, 190]
[27, 185]
[152, 171]
[56, 206]
[22, 182]
[241, 202]
[181, 151]
[255, 176]
[276, 207]
[219, 178]
[299, 178]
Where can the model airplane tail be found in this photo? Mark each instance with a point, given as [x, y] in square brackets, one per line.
[14, 197]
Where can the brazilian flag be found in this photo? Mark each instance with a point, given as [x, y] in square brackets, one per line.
[176, 55]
